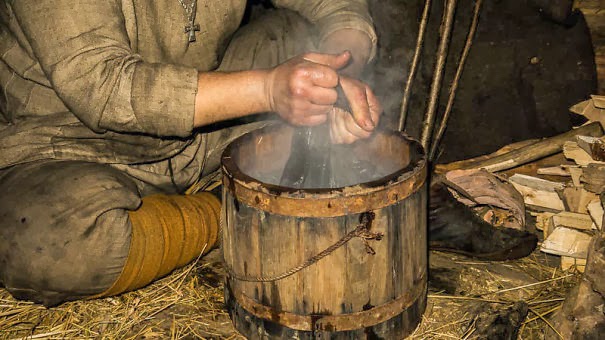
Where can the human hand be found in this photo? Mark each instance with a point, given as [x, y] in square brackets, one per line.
[348, 127]
[303, 89]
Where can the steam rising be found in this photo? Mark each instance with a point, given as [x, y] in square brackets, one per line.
[313, 162]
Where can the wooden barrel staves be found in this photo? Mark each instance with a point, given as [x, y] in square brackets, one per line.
[343, 263]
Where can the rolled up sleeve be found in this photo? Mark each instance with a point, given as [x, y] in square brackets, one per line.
[332, 15]
[84, 50]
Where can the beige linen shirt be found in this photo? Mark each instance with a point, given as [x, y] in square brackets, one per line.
[114, 81]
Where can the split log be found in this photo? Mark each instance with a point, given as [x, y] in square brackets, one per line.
[595, 210]
[595, 147]
[538, 193]
[576, 199]
[594, 178]
[590, 110]
[573, 221]
[567, 242]
[598, 101]
[576, 174]
[532, 152]
[574, 152]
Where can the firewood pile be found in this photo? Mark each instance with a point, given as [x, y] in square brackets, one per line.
[565, 199]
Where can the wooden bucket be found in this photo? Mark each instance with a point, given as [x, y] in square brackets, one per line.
[292, 273]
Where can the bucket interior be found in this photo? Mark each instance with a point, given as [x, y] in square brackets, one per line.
[300, 158]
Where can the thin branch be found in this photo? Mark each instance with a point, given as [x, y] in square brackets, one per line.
[452, 96]
[530, 284]
[414, 67]
[429, 118]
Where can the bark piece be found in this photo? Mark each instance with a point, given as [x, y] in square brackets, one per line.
[566, 242]
[538, 193]
[479, 187]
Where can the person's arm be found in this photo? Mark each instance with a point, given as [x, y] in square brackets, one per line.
[84, 49]
[301, 90]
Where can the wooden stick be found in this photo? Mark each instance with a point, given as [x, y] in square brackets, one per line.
[429, 117]
[414, 67]
[532, 152]
[452, 96]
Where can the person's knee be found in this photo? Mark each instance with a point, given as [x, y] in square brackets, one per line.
[66, 229]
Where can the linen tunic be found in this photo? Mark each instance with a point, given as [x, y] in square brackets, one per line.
[114, 81]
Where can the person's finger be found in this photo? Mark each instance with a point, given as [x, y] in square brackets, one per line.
[314, 110]
[355, 92]
[323, 76]
[322, 96]
[334, 61]
[375, 106]
[352, 127]
[337, 127]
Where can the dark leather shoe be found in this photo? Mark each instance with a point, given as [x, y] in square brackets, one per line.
[453, 227]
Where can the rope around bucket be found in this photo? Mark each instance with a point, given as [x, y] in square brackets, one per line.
[362, 231]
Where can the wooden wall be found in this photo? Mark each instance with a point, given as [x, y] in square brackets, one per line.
[594, 11]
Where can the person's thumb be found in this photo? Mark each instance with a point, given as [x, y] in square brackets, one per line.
[334, 61]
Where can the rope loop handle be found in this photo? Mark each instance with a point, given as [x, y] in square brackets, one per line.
[362, 231]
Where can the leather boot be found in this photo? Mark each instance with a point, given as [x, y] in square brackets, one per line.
[453, 227]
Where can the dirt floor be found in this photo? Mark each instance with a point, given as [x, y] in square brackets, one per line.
[188, 304]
